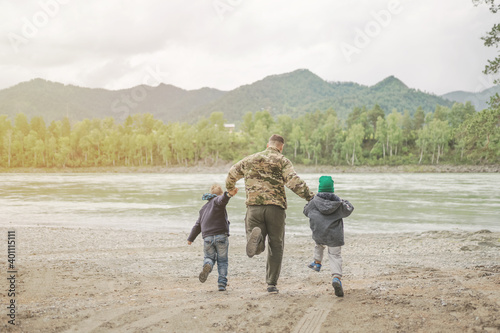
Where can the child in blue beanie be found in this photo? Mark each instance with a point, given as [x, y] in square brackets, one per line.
[214, 227]
[325, 212]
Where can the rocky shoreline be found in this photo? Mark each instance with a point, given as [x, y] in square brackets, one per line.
[108, 280]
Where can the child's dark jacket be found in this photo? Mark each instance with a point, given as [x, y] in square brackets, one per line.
[213, 218]
[325, 212]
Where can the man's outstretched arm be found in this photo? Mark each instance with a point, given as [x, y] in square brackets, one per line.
[294, 183]
[234, 174]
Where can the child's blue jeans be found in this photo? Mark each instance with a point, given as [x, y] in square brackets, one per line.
[215, 249]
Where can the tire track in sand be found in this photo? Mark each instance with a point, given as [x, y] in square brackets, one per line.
[313, 319]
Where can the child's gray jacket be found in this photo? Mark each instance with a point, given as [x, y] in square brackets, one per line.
[325, 212]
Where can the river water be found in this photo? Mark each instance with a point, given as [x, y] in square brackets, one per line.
[170, 202]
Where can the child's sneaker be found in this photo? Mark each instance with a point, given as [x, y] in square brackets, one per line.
[337, 285]
[222, 287]
[204, 273]
[315, 266]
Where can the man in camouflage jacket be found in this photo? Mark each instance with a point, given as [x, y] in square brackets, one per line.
[266, 174]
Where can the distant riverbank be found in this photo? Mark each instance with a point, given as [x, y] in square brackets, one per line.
[222, 168]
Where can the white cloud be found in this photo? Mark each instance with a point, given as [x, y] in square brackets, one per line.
[432, 46]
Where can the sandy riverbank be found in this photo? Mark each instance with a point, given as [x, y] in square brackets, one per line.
[88, 280]
[223, 168]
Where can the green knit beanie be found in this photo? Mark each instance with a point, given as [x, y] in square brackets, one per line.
[325, 184]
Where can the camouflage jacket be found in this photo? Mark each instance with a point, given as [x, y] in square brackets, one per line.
[266, 174]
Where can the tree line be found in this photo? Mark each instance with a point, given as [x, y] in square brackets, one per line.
[456, 135]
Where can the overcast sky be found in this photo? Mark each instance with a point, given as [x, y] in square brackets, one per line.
[433, 46]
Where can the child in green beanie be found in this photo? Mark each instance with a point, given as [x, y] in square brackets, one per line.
[325, 212]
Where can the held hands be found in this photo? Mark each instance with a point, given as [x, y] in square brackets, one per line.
[233, 192]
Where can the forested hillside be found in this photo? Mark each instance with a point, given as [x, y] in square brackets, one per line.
[54, 101]
[301, 92]
[455, 135]
[479, 99]
[293, 94]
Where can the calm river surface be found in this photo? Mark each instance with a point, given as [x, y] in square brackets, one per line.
[382, 202]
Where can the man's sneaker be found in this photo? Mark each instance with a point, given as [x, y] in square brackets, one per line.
[315, 266]
[272, 289]
[222, 287]
[204, 273]
[253, 241]
[337, 285]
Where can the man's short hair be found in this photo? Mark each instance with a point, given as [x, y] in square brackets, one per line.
[216, 189]
[275, 138]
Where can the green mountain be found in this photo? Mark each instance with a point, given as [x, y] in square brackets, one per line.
[54, 100]
[278, 94]
[478, 99]
[294, 94]
[301, 91]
